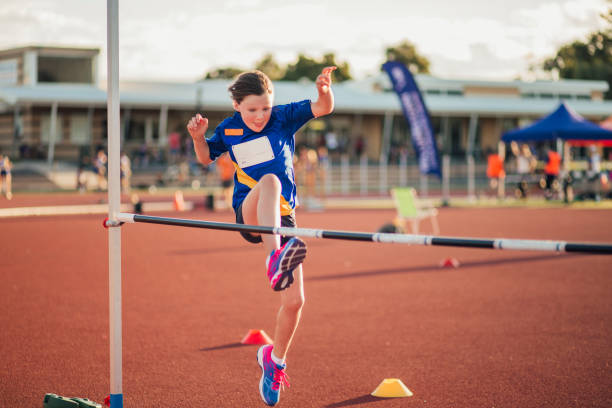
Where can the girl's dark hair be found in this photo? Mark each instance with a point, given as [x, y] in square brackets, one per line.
[250, 83]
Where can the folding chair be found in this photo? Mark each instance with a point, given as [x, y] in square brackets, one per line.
[410, 209]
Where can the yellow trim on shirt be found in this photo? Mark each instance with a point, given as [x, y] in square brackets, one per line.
[243, 178]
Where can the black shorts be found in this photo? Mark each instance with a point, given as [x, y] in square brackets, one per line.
[226, 183]
[286, 221]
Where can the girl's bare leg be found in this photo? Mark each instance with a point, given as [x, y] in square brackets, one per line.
[288, 318]
[262, 207]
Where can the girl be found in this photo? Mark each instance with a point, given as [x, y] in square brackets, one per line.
[260, 140]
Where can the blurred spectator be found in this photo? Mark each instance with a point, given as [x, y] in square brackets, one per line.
[331, 141]
[99, 168]
[183, 171]
[359, 146]
[552, 170]
[307, 167]
[567, 177]
[24, 151]
[594, 162]
[81, 177]
[598, 178]
[159, 179]
[226, 169]
[6, 179]
[194, 165]
[496, 174]
[157, 155]
[174, 144]
[142, 157]
[525, 165]
[137, 203]
[323, 167]
[125, 165]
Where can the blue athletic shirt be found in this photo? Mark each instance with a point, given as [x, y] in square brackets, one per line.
[255, 154]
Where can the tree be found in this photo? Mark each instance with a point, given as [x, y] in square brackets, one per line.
[270, 67]
[306, 67]
[223, 73]
[586, 60]
[407, 53]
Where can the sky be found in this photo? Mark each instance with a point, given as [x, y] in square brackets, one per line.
[180, 40]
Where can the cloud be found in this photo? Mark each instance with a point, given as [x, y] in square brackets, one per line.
[488, 49]
[482, 63]
[547, 26]
[33, 22]
[183, 40]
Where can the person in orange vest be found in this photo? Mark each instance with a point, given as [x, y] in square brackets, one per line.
[496, 173]
[551, 170]
[226, 169]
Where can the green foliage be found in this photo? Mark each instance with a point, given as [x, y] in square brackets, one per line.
[591, 59]
[306, 67]
[407, 53]
[270, 67]
[223, 73]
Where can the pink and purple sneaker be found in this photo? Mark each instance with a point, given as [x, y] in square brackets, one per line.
[283, 261]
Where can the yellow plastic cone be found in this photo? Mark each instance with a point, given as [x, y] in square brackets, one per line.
[392, 388]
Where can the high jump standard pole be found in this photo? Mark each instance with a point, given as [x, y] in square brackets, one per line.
[114, 203]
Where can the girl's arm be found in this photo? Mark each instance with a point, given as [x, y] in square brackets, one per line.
[325, 103]
[197, 127]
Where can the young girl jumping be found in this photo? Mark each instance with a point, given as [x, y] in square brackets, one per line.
[260, 140]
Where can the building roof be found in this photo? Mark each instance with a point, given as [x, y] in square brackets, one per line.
[370, 96]
[50, 51]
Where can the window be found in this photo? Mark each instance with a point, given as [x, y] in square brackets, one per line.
[141, 129]
[9, 72]
[45, 128]
[79, 130]
[65, 69]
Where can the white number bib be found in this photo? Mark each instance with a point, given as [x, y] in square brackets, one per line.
[253, 152]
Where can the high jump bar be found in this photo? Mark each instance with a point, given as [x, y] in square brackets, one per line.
[497, 243]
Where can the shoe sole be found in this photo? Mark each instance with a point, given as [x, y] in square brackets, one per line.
[291, 259]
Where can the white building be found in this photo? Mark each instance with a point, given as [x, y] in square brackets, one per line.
[45, 86]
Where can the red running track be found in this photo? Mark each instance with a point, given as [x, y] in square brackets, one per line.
[506, 329]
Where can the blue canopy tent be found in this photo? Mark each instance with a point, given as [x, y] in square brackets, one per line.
[563, 124]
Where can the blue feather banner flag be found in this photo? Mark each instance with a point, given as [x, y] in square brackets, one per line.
[417, 116]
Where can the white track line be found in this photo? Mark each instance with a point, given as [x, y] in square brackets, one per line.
[84, 209]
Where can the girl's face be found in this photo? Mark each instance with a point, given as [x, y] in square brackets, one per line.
[255, 110]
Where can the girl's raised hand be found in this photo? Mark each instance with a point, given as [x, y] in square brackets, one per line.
[324, 79]
[197, 126]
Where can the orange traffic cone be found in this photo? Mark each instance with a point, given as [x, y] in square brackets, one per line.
[179, 201]
[449, 263]
[256, 337]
